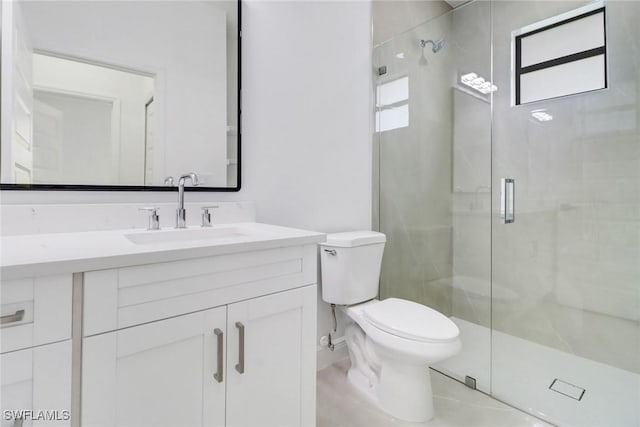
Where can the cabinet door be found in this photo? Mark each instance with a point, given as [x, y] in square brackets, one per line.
[157, 374]
[36, 386]
[275, 386]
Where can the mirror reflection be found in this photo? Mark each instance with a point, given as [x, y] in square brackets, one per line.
[127, 93]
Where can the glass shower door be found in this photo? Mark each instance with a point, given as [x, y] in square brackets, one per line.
[433, 153]
[566, 272]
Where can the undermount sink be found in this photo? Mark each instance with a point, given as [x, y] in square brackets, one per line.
[183, 235]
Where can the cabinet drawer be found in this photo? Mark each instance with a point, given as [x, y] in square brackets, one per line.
[124, 297]
[35, 311]
[37, 379]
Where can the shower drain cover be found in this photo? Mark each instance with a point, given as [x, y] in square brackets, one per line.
[567, 389]
[470, 382]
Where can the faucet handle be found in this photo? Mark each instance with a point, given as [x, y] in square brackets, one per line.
[206, 215]
[154, 218]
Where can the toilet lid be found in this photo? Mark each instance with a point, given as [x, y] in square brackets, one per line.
[411, 320]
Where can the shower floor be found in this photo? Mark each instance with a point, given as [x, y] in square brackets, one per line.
[611, 395]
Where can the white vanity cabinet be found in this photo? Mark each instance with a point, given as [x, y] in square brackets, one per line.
[176, 328]
[223, 340]
[35, 359]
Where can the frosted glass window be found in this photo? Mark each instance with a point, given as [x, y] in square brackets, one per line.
[566, 39]
[561, 56]
[564, 79]
[392, 102]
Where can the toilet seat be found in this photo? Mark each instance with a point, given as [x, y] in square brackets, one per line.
[410, 320]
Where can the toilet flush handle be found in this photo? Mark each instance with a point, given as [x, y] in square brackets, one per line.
[331, 252]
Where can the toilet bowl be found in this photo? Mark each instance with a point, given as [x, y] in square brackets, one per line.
[391, 342]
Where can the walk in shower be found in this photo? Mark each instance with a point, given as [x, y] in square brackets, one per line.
[548, 304]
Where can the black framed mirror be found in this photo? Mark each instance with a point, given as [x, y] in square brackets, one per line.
[120, 96]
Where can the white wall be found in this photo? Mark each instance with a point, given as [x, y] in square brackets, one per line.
[306, 147]
[306, 89]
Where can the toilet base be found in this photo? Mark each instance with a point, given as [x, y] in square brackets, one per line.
[401, 388]
[404, 390]
[402, 399]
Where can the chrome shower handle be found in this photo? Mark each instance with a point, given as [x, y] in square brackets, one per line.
[507, 200]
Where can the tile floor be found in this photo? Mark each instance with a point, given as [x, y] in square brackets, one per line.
[341, 405]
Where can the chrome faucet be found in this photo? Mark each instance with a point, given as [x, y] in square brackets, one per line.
[181, 214]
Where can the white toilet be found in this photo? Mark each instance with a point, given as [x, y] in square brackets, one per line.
[391, 342]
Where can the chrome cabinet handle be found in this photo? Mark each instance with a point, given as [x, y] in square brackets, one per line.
[331, 252]
[12, 318]
[219, 373]
[507, 204]
[240, 364]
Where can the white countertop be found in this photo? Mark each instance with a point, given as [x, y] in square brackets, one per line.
[56, 253]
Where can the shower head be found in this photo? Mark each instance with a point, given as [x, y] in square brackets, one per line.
[436, 45]
[435, 48]
[439, 45]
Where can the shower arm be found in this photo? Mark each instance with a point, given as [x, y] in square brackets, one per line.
[423, 44]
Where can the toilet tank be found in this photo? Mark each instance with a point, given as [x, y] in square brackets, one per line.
[350, 266]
